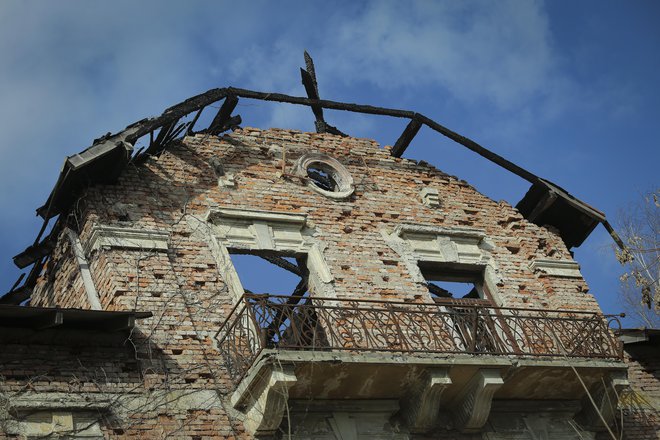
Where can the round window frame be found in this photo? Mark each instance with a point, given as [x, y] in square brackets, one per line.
[341, 176]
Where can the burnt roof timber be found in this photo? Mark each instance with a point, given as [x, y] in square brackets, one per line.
[108, 145]
[222, 118]
[406, 137]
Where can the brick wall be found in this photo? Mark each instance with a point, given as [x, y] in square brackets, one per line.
[184, 288]
[163, 192]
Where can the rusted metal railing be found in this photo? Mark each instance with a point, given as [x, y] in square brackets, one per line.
[269, 321]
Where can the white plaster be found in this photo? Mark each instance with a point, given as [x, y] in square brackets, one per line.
[263, 234]
[316, 263]
[472, 407]
[340, 174]
[85, 272]
[465, 246]
[126, 238]
[421, 408]
[432, 243]
[227, 181]
[430, 197]
[557, 268]
[40, 414]
[263, 230]
[265, 407]
[215, 215]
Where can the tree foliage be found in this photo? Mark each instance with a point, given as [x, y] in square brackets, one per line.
[639, 227]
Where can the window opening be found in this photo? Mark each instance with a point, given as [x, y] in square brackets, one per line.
[455, 282]
[461, 291]
[261, 273]
[323, 176]
[453, 289]
[279, 297]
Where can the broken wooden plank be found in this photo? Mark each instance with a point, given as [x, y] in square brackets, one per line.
[406, 137]
[222, 118]
[312, 93]
[281, 262]
[194, 121]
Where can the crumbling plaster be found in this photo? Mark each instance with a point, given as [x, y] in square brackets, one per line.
[157, 240]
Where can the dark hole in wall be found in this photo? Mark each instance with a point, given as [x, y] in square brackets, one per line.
[323, 177]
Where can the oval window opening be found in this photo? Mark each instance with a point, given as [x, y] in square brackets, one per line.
[323, 176]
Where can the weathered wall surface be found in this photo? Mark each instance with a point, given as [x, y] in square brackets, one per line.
[181, 183]
[178, 277]
[641, 403]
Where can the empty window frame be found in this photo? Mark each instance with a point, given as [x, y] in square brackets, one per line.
[467, 304]
[277, 288]
[455, 281]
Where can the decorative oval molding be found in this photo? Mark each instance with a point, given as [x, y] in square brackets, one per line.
[336, 172]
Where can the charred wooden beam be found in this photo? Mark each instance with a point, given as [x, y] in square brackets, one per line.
[406, 137]
[18, 281]
[35, 252]
[312, 93]
[483, 152]
[158, 144]
[546, 201]
[308, 76]
[222, 119]
[438, 291]
[16, 296]
[295, 298]
[194, 121]
[284, 264]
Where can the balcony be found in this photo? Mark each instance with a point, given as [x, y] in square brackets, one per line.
[450, 342]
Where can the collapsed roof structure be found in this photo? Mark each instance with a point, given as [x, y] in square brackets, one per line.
[545, 203]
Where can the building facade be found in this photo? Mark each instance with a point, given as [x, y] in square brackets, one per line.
[139, 325]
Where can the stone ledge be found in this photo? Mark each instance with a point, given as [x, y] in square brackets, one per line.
[557, 268]
[252, 215]
[126, 238]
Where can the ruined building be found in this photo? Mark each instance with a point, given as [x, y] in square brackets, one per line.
[138, 325]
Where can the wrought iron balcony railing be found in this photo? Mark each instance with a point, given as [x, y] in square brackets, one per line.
[259, 322]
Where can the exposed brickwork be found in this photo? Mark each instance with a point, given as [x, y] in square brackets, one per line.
[61, 284]
[160, 194]
[183, 287]
[641, 405]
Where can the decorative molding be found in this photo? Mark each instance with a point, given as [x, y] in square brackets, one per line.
[606, 394]
[340, 174]
[557, 268]
[227, 181]
[46, 414]
[430, 197]
[264, 230]
[264, 413]
[57, 424]
[260, 229]
[316, 264]
[215, 215]
[85, 273]
[126, 238]
[472, 407]
[420, 409]
[456, 245]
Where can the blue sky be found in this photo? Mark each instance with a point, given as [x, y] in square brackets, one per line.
[567, 89]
